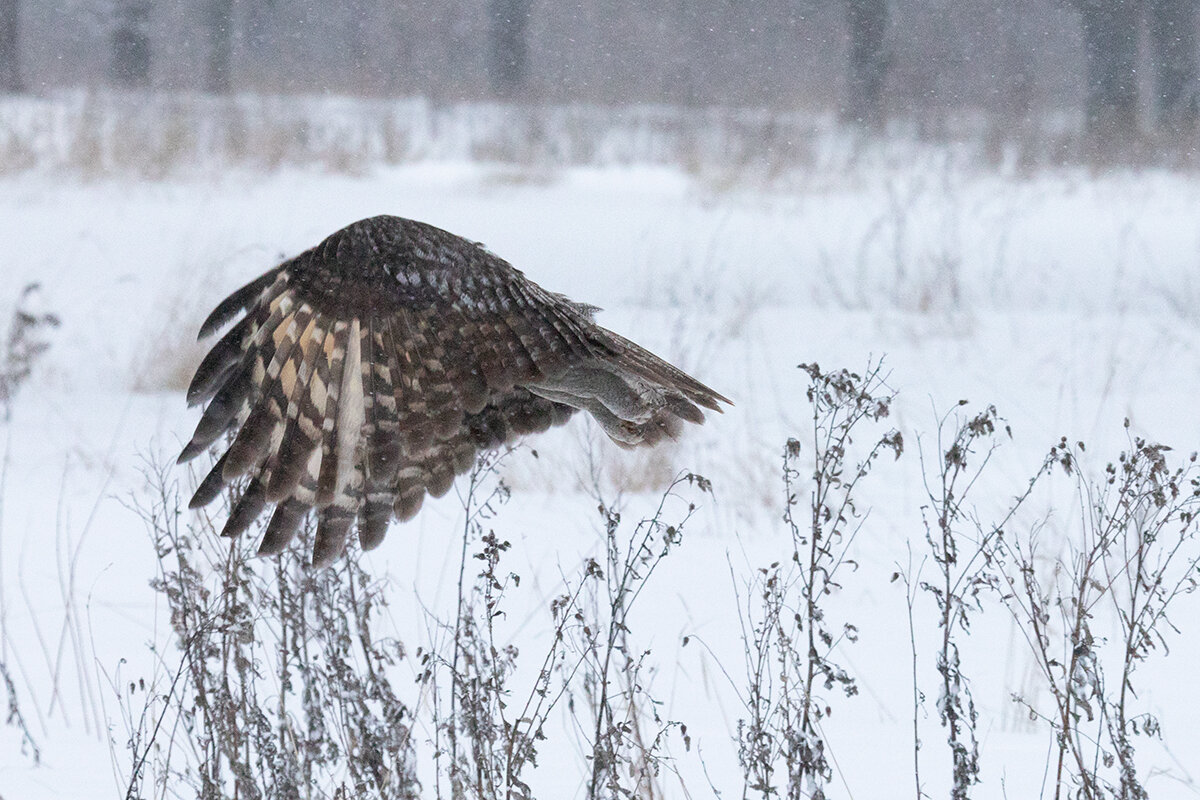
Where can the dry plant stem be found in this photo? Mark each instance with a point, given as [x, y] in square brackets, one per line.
[13, 715]
[1065, 700]
[26, 342]
[789, 640]
[757, 751]
[962, 576]
[911, 584]
[839, 403]
[460, 610]
[617, 738]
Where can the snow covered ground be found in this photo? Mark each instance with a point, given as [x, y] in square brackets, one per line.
[1069, 300]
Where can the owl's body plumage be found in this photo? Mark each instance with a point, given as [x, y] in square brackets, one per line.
[371, 369]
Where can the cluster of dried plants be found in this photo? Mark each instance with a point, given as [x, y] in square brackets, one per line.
[1088, 591]
[1089, 594]
[1093, 607]
[484, 739]
[627, 737]
[960, 549]
[487, 734]
[282, 685]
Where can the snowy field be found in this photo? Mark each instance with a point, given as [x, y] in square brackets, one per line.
[1069, 300]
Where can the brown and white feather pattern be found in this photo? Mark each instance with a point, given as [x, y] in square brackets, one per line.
[369, 371]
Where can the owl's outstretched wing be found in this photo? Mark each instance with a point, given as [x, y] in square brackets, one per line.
[370, 370]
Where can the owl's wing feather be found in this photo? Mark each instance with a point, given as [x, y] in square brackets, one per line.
[285, 522]
[381, 435]
[340, 479]
[327, 485]
[246, 509]
[296, 437]
[248, 295]
[369, 371]
[233, 348]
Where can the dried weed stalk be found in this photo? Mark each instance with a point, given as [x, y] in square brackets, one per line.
[960, 549]
[27, 341]
[790, 640]
[626, 739]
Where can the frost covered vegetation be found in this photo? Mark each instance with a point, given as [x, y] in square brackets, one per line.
[287, 682]
[875, 590]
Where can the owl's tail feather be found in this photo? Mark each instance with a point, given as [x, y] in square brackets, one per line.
[649, 366]
[636, 397]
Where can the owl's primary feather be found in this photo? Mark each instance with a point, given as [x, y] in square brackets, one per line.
[370, 370]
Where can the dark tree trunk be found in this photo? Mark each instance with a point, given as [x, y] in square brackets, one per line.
[10, 50]
[508, 50]
[220, 46]
[358, 45]
[130, 66]
[867, 21]
[1018, 79]
[259, 18]
[1110, 37]
[1173, 40]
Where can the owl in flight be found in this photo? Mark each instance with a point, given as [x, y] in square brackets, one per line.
[370, 370]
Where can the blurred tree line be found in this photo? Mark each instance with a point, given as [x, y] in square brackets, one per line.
[1124, 63]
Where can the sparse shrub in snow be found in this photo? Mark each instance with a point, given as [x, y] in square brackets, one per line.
[481, 746]
[1091, 607]
[486, 736]
[790, 641]
[26, 342]
[1100, 611]
[284, 685]
[627, 737]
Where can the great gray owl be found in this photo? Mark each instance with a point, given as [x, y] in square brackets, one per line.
[371, 369]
